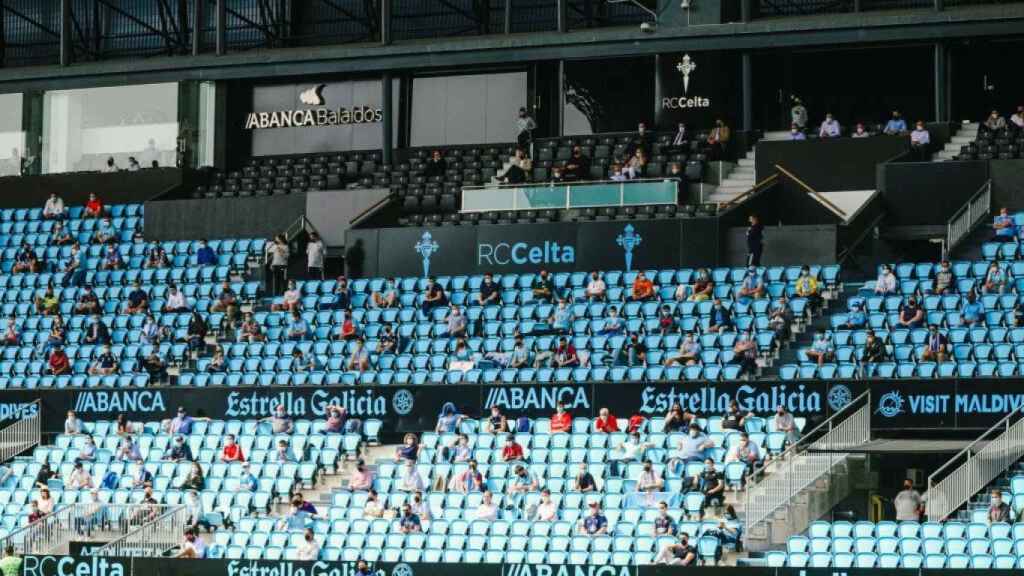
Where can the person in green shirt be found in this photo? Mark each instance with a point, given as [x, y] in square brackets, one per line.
[11, 563]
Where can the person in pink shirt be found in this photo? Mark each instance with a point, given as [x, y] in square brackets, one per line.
[362, 478]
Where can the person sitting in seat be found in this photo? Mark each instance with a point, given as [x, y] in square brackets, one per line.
[935, 346]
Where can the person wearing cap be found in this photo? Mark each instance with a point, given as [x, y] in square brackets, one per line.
[280, 422]
[80, 478]
[180, 451]
[691, 448]
[856, 318]
[182, 423]
[596, 523]
[752, 286]
[248, 481]
[58, 363]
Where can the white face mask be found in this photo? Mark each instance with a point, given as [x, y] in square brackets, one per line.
[693, 433]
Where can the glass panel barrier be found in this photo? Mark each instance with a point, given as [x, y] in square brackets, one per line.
[579, 195]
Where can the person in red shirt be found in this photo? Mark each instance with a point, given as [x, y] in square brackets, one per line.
[93, 208]
[643, 288]
[232, 452]
[59, 362]
[561, 421]
[348, 328]
[606, 422]
[513, 450]
[636, 422]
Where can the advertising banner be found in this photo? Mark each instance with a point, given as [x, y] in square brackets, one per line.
[557, 247]
[140, 566]
[697, 88]
[897, 404]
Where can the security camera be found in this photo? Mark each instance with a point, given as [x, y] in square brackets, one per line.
[684, 4]
[648, 27]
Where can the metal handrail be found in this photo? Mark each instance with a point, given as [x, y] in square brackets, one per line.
[152, 538]
[753, 190]
[958, 227]
[23, 433]
[811, 191]
[841, 431]
[569, 183]
[79, 521]
[968, 478]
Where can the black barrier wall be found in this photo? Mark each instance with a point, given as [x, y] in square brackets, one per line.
[898, 404]
[830, 165]
[260, 216]
[558, 247]
[74, 188]
[928, 193]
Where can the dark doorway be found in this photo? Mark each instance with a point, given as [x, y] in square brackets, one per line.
[983, 78]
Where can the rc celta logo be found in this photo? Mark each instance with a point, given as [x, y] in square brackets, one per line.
[839, 396]
[686, 67]
[426, 248]
[629, 240]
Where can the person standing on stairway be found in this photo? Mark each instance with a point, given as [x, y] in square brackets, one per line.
[755, 240]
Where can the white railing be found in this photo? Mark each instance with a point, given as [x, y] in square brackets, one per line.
[804, 462]
[981, 462]
[26, 433]
[966, 218]
[164, 530]
[101, 522]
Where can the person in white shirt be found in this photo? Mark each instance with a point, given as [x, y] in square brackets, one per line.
[487, 510]
[175, 300]
[72, 425]
[110, 166]
[829, 128]
[596, 288]
[80, 478]
[1017, 118]
[920, 138]
[316, 253]
[546, 510]
[649, 481]
[54, 208]
[309, 550]
[411, 480]
[886, 281]
[631, 450]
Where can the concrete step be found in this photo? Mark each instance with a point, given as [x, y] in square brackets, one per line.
[745, 162]
[739, 179]
[776, 135]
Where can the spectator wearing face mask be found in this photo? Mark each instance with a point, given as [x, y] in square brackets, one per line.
[309, 550]
[908, 503]
[821, 350]
[920, 142]
[885, 283]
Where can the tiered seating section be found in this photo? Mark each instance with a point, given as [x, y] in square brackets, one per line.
[453, 533]
[992, 347]
[425, 351]
[25, 365]
[435, 199]
[294, 174]
[222, 496]
[1002, 144]
[905, 545]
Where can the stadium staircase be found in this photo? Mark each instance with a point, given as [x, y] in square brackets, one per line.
[964, 135]
[742, 177]
[806, 481]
